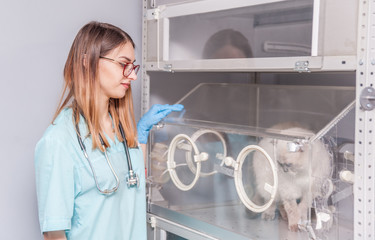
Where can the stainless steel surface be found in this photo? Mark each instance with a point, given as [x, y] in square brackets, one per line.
[175, 228]
[235, 223]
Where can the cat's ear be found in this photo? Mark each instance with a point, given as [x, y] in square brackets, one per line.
[295, 146]
[303, 147]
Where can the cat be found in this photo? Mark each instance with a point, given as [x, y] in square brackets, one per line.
[293, 196]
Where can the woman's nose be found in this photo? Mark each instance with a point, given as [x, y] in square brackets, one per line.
[133, 76]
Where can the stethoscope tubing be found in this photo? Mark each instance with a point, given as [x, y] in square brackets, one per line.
[132, 178]
[124, 142]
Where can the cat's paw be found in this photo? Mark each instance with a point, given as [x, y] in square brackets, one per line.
[268, 216]
[283, 213]
[293, 227]
[293, 219]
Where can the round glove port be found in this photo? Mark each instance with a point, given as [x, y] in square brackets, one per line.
[240, 171]
[211, 141]
[180, 172]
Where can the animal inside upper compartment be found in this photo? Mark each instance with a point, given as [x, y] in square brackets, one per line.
[304, 170]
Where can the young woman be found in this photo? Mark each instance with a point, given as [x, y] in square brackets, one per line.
[90, 172]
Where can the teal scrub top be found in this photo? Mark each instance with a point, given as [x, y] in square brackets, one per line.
[68, 198]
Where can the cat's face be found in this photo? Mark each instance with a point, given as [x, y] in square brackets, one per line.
[291, 161]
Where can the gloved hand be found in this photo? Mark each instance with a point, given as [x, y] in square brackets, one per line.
[156, 113]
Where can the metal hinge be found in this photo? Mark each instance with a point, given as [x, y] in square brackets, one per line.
[153, 13]
[302, 66]
[152, 221]
[168, 67]
[152, 3]
[367, 99]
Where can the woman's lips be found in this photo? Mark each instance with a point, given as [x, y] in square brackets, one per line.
[126, 85]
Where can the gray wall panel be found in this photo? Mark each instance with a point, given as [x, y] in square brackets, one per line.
[35, 40]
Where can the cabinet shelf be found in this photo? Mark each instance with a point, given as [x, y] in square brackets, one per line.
[280, 64]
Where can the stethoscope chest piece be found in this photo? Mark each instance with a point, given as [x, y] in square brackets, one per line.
[132, 179]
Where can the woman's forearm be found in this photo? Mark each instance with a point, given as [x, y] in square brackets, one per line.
[143, 147]
[54, 235]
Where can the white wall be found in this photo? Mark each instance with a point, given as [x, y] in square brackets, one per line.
[35, 37]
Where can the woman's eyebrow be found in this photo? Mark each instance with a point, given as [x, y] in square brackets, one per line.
[127, 59]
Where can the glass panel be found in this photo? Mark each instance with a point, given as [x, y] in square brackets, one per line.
[240, 140]
[278, 29]
[267, 30]
[336, 40]
[244, 106]
[340, 141]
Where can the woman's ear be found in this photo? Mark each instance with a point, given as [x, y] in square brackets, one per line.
[84, 60]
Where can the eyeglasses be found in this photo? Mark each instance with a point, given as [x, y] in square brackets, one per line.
[127, 67]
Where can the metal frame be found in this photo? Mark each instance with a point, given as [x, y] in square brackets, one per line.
[315, 30]
[181, 230]
[145, 90]
[282, 64]
[364, 130]
[202, 7]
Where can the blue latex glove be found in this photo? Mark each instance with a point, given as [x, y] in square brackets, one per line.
[156, 113]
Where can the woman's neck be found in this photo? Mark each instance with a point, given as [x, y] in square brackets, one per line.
[103, 111]
[104, 118]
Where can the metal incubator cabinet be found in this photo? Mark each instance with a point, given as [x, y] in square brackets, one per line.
[228, 159]
[275, 138]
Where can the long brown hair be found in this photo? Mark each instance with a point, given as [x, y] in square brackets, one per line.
[81, 84]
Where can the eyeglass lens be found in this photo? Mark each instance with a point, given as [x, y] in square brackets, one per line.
[129, 68]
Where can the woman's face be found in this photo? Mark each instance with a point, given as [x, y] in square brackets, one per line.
[228, 51]
[112, 82]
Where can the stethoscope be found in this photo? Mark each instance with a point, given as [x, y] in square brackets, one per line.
[132, 179]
